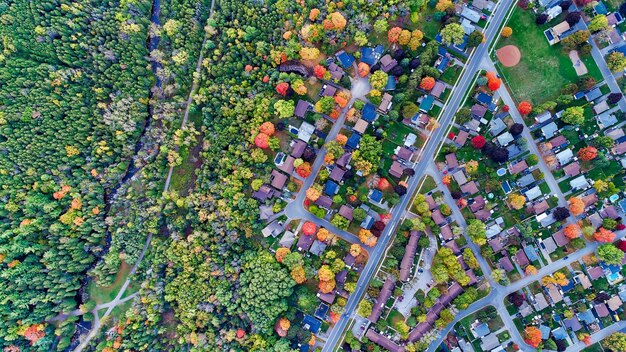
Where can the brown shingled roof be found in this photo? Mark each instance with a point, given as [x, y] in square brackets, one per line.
[383, 296]
[409, 256]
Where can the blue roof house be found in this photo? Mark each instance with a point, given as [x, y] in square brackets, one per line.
[443, 64]
[484, 98]
[587, 317]
[371, 56]
[345, 59]
[391, 83]
[545, 332]
[427, 103]
[560, 333]
[331, 188]
[353, 141]
[369, 113]
[311, 324]
[601, 8]
[376, 195]
[531, 253]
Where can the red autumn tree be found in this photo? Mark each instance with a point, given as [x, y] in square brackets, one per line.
[266, 79]
[576, 206]
[524, 108]
[604, 235]
[505, 108]
[309, 228]
[319, 71]
[282, 88]
[532, 336]
[267, 128]
[588, 153]
[571, 231]
[262, 141]
[304, 170]
[491, 75]
[427, 83]
[494, 84]
[621, 245]
[383, 184]
[478, 142]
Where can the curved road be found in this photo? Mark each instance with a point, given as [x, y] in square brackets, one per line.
[429, 151]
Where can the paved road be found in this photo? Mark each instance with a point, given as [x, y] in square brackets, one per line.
[606, 73]
[429, 150]
[499, 293]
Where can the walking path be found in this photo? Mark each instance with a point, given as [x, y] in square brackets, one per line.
[118, 298]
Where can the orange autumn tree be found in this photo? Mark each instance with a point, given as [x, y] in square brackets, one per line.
[342, 99]
[327, 286]
[524, 108]
[532, 336]
[427, 83]
[338, 21]
[576, 206]
[322, 234]
[447, 179]
[284, 323]
[314, 192]
[393, 34]
[281, 253]
[328, 159]
[367, 238]
[314, 14]
[34, 333]
[604, 235]
[587, 153]
[267, 128]
[572, 231]
[304, 170]
[341, 139]
[364, 69]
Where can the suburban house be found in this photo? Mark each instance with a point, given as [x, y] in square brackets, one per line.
[556, 33]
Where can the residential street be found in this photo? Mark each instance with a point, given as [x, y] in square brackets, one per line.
[606, 73]
[428, 153]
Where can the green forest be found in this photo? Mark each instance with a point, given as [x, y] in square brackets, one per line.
[93, 99]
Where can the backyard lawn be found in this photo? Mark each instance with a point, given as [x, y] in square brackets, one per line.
[543, 69]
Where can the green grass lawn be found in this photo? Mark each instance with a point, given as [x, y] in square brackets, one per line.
[543, 69]
[108, 293]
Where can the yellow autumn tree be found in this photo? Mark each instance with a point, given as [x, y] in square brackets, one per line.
[517, 201]
[298, 275]
[530, 270]
[309, 53]
[443, 5]
[560, 278]
[325, 274]
[355, 250]
[507, 32]
[547, 281]
[405, 37]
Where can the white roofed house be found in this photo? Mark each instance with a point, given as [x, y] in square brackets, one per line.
[580, 183]
[505, 138]
[565, 156]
